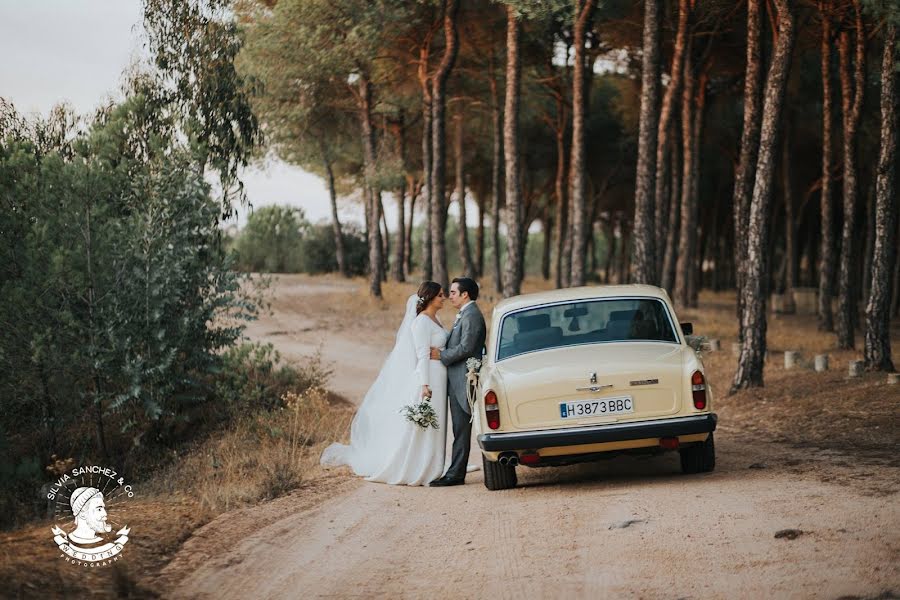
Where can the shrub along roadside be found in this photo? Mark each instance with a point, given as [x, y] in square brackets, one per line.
[121, 312]
[279, 239]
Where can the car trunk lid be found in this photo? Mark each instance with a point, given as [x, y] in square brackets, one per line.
[649, 374]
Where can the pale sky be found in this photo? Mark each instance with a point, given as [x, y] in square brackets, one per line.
[75, 51]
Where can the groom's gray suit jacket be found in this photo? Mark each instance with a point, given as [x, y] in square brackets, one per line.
[466, 341]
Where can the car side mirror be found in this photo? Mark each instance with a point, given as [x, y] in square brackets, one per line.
[687, 328]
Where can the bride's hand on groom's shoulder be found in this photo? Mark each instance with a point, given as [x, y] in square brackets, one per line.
[426, 391]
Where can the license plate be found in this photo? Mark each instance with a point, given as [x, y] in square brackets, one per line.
[578, 409]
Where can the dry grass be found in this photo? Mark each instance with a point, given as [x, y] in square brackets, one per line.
[260, 457]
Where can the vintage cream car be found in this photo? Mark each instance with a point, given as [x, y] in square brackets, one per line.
[584, 373]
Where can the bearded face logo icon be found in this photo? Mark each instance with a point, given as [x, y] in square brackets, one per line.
[88, 542]
[89, 511]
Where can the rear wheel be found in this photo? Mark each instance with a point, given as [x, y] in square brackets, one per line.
[700, 458]
[497, 476]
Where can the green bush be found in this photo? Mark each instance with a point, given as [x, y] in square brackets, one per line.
[318, 249]
[254, 377]
[118, 297]
[271, 242]
[278, 239]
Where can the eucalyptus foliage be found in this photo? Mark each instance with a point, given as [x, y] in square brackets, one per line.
[117, 297]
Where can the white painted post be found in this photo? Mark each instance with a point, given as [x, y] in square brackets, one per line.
[790, 359]
[821, 363]
[893, 378]
[714, 345]
[854, 368]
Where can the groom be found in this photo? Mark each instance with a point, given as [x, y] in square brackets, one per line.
[466, 341]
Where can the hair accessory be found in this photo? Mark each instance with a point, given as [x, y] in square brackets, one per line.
[420, 300]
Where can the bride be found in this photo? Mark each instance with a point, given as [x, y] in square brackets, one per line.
[384, 446]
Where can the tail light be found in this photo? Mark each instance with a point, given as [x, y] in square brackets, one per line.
[492, 410]
[532, 458]
[698, 390]
[669, 443]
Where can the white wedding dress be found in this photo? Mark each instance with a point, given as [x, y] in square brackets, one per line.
[384, 446]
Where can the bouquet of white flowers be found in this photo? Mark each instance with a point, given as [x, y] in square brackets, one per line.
[421, 413]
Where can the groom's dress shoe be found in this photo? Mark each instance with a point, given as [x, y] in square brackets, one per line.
[445, 482]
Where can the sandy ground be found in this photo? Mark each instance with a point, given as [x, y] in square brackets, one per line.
[621, 528]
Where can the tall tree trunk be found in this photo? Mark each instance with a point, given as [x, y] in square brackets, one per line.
[512, 276]
[385, 240]
[756, 275]
[399, 271]
[673, 233]
[465, 255]
[826, 248]
[427, 187]
[746, 170]
[851, 103]
[335, 222]
[496, 179]
[664, 131]
[643, 262]
[870, 241]
[583, 14]
[367, 211]
[439, 149]
[687, 228]
[895, 301]
[547, 227]
[561, 222]
[479, 236]
[696, 253]
[567, 247]
[427, 274]
[376, 263]
[790, 227]
[877, 352]
[414, 190]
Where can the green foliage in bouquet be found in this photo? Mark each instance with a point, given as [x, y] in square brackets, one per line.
[421, 413]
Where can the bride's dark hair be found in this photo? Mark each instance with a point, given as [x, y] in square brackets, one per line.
[428, 291]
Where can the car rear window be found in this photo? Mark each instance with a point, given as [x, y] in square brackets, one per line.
[585, 322]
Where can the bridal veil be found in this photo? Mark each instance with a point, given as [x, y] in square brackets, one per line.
[378, 423]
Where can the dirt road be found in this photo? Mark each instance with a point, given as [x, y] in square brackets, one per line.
[306, 319]
[621, 528]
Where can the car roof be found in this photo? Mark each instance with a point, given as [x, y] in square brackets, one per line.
[591, 292]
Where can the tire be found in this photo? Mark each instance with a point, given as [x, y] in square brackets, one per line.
[497, 476]
[700, 458]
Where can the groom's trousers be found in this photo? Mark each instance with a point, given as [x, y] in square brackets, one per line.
[462, 433]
